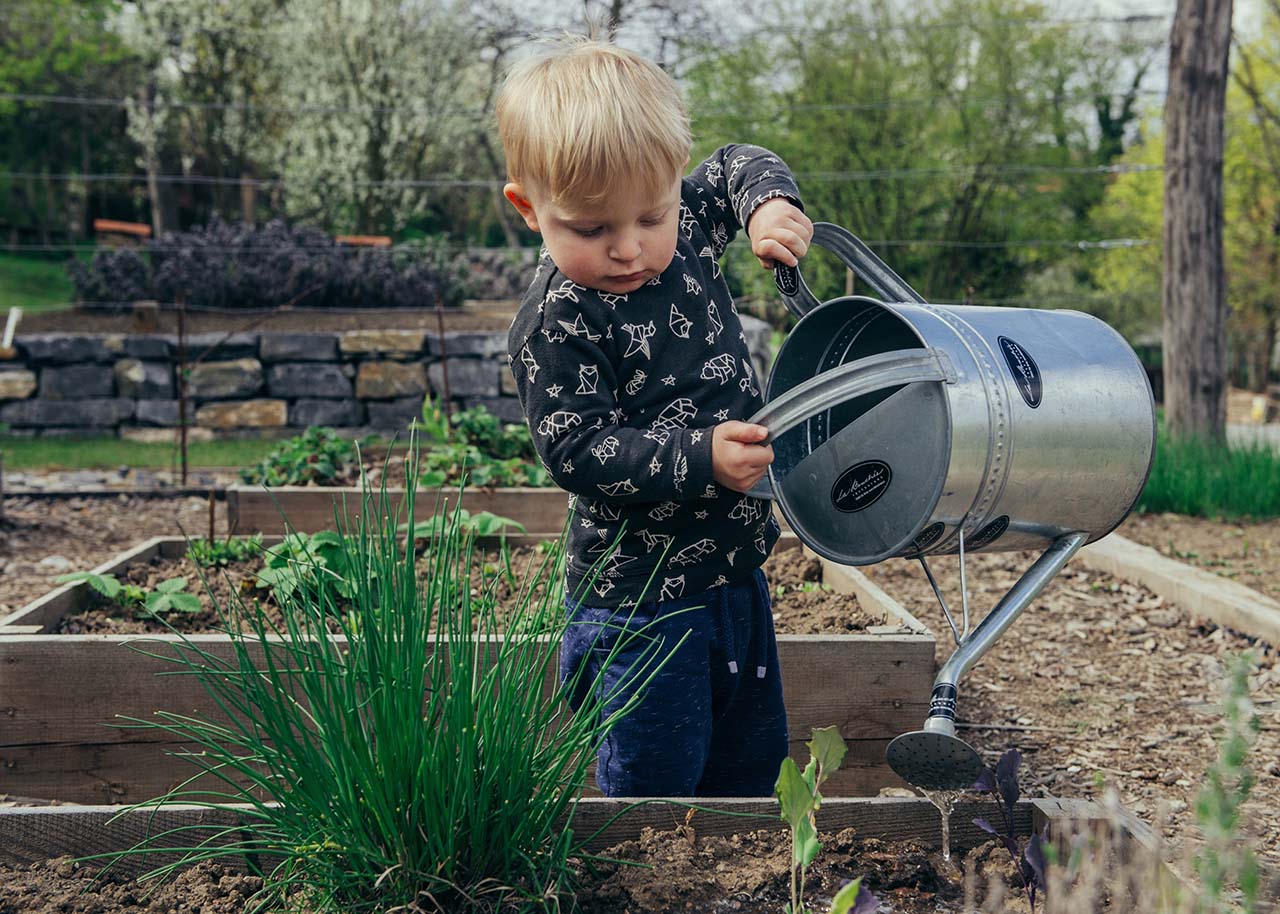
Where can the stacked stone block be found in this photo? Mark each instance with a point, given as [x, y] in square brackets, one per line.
[250, 384]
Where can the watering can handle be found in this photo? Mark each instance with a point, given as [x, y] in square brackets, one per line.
[853, 379]
[888, 285]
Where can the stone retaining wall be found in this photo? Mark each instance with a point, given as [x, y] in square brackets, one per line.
[254, 384]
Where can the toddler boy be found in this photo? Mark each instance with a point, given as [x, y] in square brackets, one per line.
[634, 375]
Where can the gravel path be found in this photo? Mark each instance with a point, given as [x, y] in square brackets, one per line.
[41, 539]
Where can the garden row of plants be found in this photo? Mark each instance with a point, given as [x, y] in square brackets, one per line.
[235, 265]
[370, 794]
[471, 443]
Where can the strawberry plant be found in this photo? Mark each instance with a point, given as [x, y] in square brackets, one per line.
[799, 798]
[170, 596]
[299, 559]
[125, 596]
[319, 456]
[476, 445]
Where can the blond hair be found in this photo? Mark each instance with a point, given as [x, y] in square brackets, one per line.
[581, 117]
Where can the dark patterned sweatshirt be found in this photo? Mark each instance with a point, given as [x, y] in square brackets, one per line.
[622, 392]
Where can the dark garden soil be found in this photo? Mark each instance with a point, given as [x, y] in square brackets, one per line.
[801, 604]
[1101, 684]
[297, 321]
[1247, 552]
[682, 872]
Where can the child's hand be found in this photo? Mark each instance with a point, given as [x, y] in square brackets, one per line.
[780, 232]
[738, 460]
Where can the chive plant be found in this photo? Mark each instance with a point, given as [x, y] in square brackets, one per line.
[383, 766]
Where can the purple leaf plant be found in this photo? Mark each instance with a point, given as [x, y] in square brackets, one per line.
[1002, 783]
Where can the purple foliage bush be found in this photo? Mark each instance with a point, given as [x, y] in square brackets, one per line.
[232, 265]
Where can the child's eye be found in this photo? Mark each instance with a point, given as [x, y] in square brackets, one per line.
[651, 222]
[588, 233]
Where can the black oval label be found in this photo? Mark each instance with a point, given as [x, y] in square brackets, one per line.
[860, 486]
[989, 534]
[1026, 374]
[928, 536]
[786, 278]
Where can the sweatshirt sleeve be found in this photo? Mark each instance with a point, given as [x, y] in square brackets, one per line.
[567, 388]
[728, 187]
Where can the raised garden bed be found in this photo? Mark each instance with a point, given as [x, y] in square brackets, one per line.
[253, 509]
[60, 691]
[715, 863]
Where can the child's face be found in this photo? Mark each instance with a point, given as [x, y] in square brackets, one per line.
[615, 247]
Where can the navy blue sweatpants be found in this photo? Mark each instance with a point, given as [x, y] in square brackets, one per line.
[711, 722]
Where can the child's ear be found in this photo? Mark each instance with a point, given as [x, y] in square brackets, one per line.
[524, 206]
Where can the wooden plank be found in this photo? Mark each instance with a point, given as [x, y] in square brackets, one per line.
[1226, 602]
[252, 509]
[307, 508]
[870, 686]
[28, 835]
[124, 773]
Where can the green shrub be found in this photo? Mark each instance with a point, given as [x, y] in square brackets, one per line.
[373, 792]
[1209, 479]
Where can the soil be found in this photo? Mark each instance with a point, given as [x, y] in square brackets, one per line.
[749, 873]
[1100, 684]
[1247, 552]
[682, 872]
[801, 604]
[41, 539]
[295, 321]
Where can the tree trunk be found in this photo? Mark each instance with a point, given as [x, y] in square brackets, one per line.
[1194, 300]
[248, 198]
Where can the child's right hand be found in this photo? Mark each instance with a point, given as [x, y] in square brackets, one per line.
[738, 460]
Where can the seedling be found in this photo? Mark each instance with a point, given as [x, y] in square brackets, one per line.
[170, 596]
[208, 553]
[119, 593]
[1002, 784]
[799, 797]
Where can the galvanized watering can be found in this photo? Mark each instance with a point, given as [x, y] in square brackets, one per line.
[906, 429]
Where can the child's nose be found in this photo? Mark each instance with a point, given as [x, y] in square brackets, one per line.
[625, 249]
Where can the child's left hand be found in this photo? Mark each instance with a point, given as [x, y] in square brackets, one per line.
[780, 232]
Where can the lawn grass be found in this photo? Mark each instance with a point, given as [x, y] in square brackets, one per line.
[33, 284]
[1209, 479]
[97, 453]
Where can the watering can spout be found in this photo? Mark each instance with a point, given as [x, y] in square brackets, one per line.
[934, 757]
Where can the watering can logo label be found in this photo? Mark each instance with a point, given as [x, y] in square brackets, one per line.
[928, 536]
[860, 486]
[1024, 369]
[990, 533]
